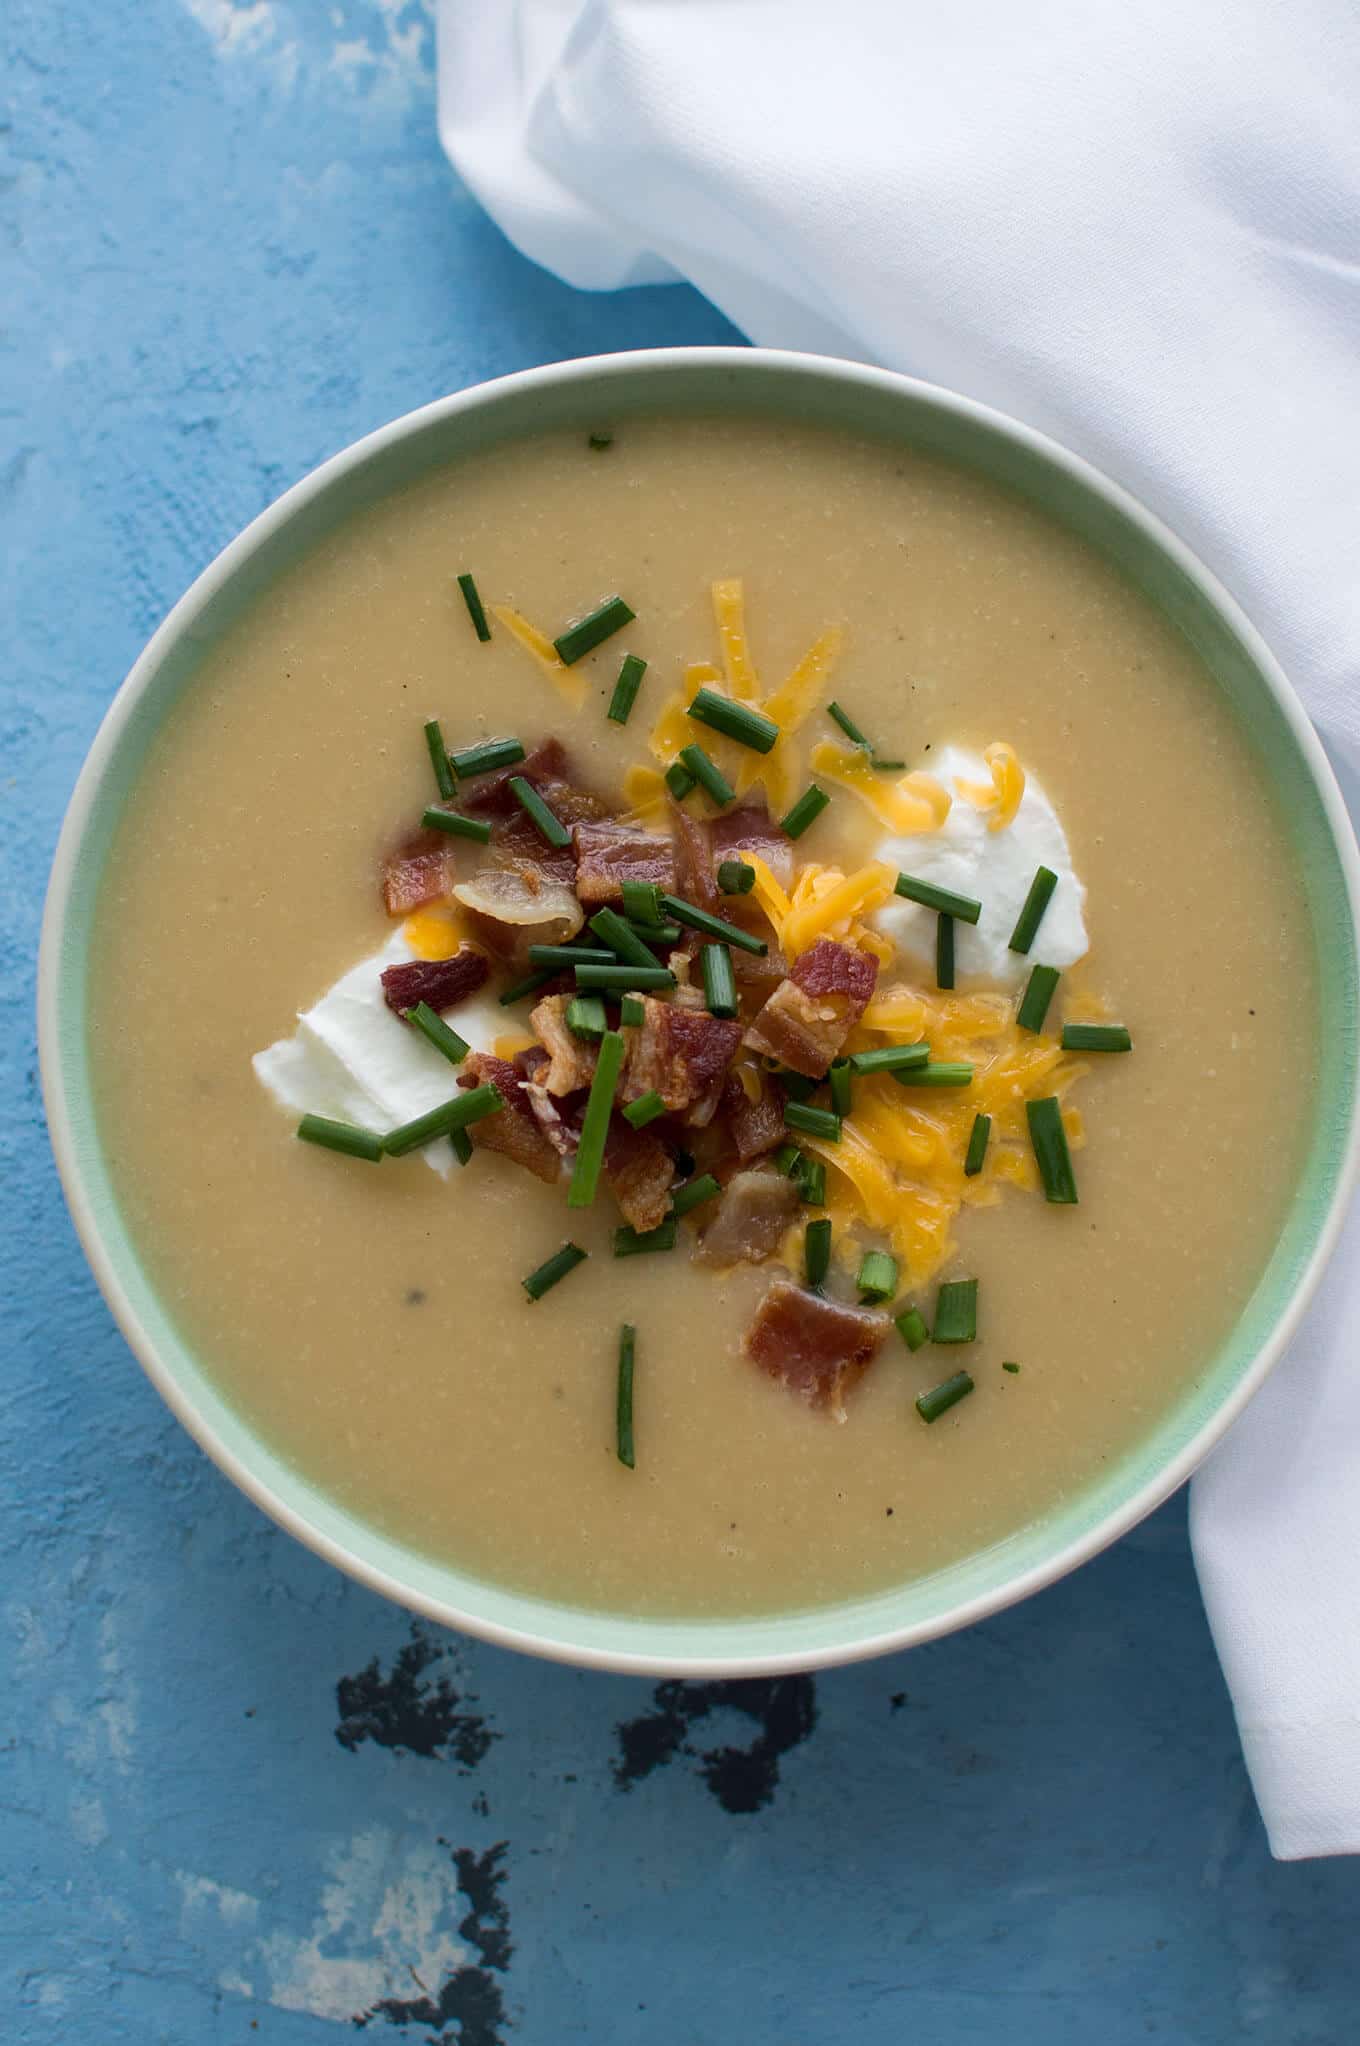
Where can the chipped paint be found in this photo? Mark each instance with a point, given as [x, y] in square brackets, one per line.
[742, 1779]
[408, 1710]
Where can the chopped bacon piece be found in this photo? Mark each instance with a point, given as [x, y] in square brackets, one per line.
[517, 842]
[694, 877]
[809, 1016]
[514, 1131]
[608, 854]
[758, 974]
[572, 1059]
[754, 1212]
[816, 1348]
[548, 770]
[750, 828]
[560, 1121]
[439, 982]
[757, 1126]
[682, 1054]
[418, 872]
[640, 1171]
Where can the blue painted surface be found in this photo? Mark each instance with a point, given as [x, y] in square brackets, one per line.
[241, 1798]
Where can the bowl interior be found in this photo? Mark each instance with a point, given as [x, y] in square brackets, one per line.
[862, 401]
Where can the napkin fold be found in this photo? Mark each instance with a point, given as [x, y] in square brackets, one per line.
[1137, 228]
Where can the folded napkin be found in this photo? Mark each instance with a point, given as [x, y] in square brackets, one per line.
[1137, 227]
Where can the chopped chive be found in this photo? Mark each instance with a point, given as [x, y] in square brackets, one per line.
[586, 1017]
[585, 1175]
[456, 825]
[655, 935]
[695, 1194]
[631, 1012]
[839, 1077]
[476, 610]
[564, 957]
[944, 950]
[552, 1269]
[936, 1073]
[623, 1398]
[432, 1025]
[720, 987]
[630, 1242]
[797, 1086]
[887, 766]
[679, 780]
[890, 1058]
[550, 827]
[805, 811]
[341, 1136]
[911, 1326]
[626, 689]
[709, 775]
[642, 901]
[1037, 996]
[1013, 1368]
[531, 983]
[956, 1312]
[812, 1182]
[599, 441]
[439, 758]
[483, 758]
[787, 1159]
[439, 1122]
[942, 899]
[735, 877]
[593, 630]
[734, 720]
[1096, 1037]
[942, 1397]
[877, 1276]
[977, 1146]
[1032, 914]
[1051, 1155]
[620, 974]
[462, 1145]
[712, 926]
[625, 943]
[848, 726]
[817, 1251]
[814, 1122]
[645, 1109]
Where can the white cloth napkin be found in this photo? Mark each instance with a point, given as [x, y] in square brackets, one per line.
[1138, 227]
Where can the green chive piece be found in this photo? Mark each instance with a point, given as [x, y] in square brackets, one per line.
[787, 1159]
[432, 1025]
[911, 1326]
[610, 928]
[563, 957]
[585, 1175]
[944, 950]
[626, 689]
[488, 755]
[712, 926]
[456, 825]
[839, 1077]
[462, 1145]
[812, 1182]
[977, 1146]
[709, 775]
[586, 1017]
[1096, 1037]
[943, 899]
[656, 935]
[720, 986]
[476, 610]
[632, 1015]
[814, 1122]
[456, 1114]
[530, 984]
[642, 901]
[797, 1086]
[817, 1251]
[628, 1242]
[734, 720]
[890, 1058]
[936, 1073]
[644, 1110]
[1012, 1368]
[1051, 1155]
[439, 758]
[877, 1277]
[600, 441]
[341, 1136]
[620, 975]
[694, 1194]
[550, 827]
[805, 811]
[848, 726]
[1032, 914]
[735, 877]
[552, 1269]
[956, 1312]
[1039, 991]
[942, 1397]
[679, 780]
[593, 630]
[623, 1400]
[887, 766]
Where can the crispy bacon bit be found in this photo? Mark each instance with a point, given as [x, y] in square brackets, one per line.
[418, 872]
[817, 1349]
[515, 1130]
[809, 1016]
[683, 1054]
[517, 842]
[549, 770]
[753, 1214]
[750, 828]
[608, 854]
[560, 1121]
[440, 982]
[756, 1126]
[640, 1172]
[694, 877]
[758, 974]
[572, 1059]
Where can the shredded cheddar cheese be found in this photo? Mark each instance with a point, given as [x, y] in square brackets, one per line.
[506, 1046]
[1001, 797]
[645, 793]
[729, 612]
[573, 685]
[825, 902]
[914, 803]
[434, 933]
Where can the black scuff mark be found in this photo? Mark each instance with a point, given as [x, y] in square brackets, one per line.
[469, 2005]
[410, 1711]
[743, 1780]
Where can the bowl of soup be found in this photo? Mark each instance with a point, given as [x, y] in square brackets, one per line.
[699, 1011]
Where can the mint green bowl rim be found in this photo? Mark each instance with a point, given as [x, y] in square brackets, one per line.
[920, 1609]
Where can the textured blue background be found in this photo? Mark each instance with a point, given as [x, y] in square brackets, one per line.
[241, 1797]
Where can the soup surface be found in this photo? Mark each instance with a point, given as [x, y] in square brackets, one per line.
[372, 1323]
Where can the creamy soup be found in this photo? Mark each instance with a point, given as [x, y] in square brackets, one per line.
[372, 1322]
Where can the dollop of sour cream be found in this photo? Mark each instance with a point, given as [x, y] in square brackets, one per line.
[995, 868]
